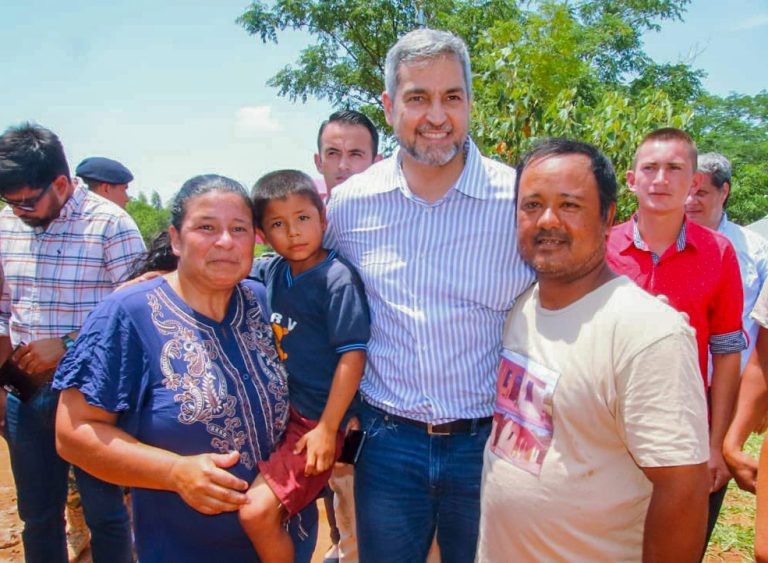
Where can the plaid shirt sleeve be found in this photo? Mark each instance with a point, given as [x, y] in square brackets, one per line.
[123, 245]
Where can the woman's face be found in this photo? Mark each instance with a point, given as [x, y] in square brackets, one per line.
[215, 243]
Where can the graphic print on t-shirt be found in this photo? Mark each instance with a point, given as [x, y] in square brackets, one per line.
[281, 329]
[522, 419]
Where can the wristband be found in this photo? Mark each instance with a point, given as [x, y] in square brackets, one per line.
[68, 342]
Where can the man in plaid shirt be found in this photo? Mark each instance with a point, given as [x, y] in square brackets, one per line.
[62, 250]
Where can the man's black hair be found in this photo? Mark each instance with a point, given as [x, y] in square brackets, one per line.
[351, 117]
[30, 156]
[602, 169]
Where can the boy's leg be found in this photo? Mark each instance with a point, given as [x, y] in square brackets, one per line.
[262, 519]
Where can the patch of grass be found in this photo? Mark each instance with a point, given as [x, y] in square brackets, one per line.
[734, 535]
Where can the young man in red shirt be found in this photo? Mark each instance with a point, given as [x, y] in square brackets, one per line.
[694, 267]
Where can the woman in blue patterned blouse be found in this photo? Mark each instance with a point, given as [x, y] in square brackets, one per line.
[174, 387]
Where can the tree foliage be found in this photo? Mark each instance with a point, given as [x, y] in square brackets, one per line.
[541, 68]
[737, 126]
[149, 218]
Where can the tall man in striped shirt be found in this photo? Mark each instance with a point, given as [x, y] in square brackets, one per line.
[432, 232]
[62, 250]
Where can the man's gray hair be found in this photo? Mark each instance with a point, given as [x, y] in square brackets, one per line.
[422, 45]
[717, 166]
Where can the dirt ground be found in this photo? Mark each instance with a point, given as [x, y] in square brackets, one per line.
[11, 550]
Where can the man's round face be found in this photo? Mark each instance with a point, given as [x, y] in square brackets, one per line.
[705, 203]
[560, 232]
[430, 110]
[345, 150]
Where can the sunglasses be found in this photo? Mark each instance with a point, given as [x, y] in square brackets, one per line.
[29, 203]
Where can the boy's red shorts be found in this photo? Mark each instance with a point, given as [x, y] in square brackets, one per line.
[284, 470]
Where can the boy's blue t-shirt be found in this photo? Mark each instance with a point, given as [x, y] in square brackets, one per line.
[316, 316]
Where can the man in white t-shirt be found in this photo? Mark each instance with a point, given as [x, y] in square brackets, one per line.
[599, 443]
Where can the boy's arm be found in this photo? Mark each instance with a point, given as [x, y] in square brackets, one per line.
[321, 441]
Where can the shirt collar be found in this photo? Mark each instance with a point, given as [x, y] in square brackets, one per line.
[723, 222]
[637, 239]
[472, 182]
[75, 202]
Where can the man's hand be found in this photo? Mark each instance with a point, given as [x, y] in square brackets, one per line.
[743, 468]
[39, 356]
[205, 485]
[718, 470]
[321, 449]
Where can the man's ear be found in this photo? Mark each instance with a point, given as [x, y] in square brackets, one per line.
[724, 191]
[387, 103]
[378, 157]
[698, 177]
[630, 176]
[318, 163]
[610, 216]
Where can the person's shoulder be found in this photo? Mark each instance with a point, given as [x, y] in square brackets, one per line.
[376, 178]
[710, 245]
[339, 271]
[636, 310]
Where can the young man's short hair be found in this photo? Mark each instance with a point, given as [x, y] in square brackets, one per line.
[354, 118]
[279, 185]
[669, 134]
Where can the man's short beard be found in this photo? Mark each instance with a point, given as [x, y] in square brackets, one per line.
[434, 156]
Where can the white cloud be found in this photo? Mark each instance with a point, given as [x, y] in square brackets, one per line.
[255, 122]
[758, 20]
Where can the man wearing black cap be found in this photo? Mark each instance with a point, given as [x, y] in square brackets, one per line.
[106, 177]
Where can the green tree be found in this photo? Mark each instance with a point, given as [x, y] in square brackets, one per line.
[149, 218]
[737, 126]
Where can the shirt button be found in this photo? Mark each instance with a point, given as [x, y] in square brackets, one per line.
[246, 377]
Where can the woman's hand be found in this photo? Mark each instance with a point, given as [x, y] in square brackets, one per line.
[321, 449]
[205, 485]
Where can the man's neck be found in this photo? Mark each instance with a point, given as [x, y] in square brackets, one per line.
[557, 294]
[659, 232]
[430, 183]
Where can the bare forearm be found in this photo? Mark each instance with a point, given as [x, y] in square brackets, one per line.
[346, 381]
[5, 349]
[676, 522]
[751, 406]
[724, 389]
[109, 453]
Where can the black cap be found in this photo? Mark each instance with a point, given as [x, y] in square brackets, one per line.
[103, 170]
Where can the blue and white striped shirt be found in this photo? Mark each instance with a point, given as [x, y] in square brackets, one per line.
[439, 279]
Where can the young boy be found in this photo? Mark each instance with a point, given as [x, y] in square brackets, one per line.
[321, 323]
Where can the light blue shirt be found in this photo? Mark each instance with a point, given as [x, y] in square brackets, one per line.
[439, 277]
[752, 254]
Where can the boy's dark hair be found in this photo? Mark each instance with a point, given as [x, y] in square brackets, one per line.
[30, 156]
[602, 169]
[279, 185]
[351, 117]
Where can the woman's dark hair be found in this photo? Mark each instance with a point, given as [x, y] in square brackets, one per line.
[279, 185]
[200, 185]
[159, 257]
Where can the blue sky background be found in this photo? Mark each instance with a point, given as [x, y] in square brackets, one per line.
[175, 88]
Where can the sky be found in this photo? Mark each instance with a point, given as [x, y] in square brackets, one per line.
[175, 88]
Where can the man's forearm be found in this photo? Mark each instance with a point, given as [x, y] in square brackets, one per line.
[724, 389]
[751, 406]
